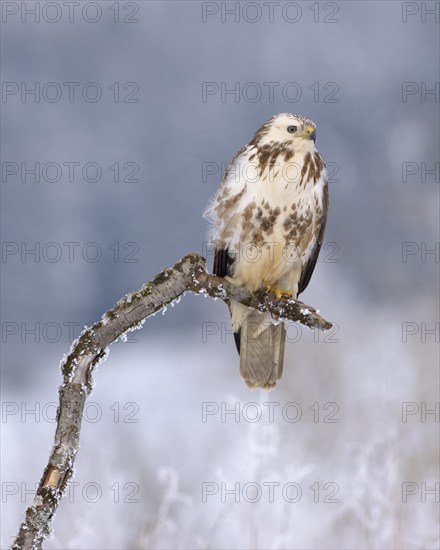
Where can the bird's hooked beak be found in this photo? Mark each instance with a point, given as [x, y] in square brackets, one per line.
[310, 133]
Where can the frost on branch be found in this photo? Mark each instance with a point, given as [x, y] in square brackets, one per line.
[91, 349]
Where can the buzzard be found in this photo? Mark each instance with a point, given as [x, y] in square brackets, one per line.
[267, 226]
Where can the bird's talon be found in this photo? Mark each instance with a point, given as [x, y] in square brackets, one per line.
[279, 293]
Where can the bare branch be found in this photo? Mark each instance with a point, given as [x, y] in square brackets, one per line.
[189, 274]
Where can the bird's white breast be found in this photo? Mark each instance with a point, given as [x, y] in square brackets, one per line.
[268, 219]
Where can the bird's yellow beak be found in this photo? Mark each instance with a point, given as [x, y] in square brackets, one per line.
[310, 133]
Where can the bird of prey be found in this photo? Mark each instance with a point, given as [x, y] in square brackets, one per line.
[267, 226]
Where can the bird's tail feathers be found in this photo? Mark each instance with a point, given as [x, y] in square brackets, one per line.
[261, 345]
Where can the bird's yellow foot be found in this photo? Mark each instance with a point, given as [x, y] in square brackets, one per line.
[279, 293]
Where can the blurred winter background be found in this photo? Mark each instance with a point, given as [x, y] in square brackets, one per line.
[344, 454]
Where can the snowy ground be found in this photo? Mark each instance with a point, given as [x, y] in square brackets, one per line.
[325, 461]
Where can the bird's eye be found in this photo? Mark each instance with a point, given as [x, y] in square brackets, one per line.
[292, 129]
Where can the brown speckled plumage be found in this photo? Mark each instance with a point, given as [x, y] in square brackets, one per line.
[277, 206]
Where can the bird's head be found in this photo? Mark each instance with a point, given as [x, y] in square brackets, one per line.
[288, 130]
